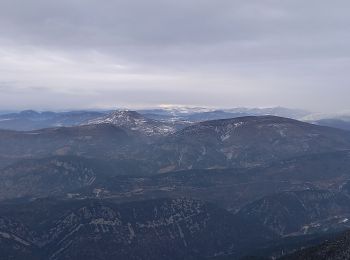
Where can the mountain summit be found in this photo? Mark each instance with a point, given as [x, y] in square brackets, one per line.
[131, 120]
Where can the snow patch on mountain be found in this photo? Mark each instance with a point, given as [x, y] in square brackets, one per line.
[135, 122]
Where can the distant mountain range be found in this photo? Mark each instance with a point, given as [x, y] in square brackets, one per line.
[204, 114]
[333, 122]
[156, 121]
[240, 142]
[121, 184]
[165, 118]
[32, 120]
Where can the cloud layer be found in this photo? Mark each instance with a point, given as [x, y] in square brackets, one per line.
[73, 54]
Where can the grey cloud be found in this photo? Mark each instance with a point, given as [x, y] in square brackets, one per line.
[223, 53]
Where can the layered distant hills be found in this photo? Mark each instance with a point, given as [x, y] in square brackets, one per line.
[32, 120]
[171, 117]
[170, 184]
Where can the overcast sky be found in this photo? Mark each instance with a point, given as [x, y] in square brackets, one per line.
[75, 54]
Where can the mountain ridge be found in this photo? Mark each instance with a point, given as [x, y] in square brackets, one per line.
[244, 142]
